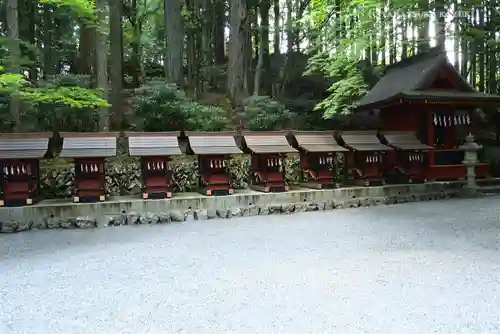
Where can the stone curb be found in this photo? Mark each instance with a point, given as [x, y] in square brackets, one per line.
[133, 218]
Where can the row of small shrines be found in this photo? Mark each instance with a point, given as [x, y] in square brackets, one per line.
[368, 157]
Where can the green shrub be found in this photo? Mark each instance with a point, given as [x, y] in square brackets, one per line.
[163, 107]
[265, 113]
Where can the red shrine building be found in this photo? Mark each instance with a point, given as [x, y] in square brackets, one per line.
[426, 95]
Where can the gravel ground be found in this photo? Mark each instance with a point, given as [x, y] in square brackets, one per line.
[411, 268]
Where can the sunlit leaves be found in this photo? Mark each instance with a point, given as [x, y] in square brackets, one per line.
[73, 97]
[348, 28]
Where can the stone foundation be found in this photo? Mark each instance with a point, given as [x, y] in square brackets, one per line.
[119, 211]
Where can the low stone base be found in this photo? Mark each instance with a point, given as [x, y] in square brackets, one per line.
[186, 207]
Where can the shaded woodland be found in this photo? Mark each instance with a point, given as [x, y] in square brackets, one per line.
[157, 65]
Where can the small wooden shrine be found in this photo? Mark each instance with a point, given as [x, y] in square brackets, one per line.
[268, 151]
[20, 155]
[367, 158]
[409, 156]
[155, 150]
[89, 151]
[425, 94]
[319, 153]
[213, 150]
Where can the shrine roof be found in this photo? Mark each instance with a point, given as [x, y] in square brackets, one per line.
[263, 142]
[363, 141]
[142, 144]
[404, 140]
[317, 141]
[411, 76]
[451, 95]
[24, 145]
[213, 143]
[88, 144]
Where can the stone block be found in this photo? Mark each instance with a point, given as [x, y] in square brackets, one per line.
[363, 202]
[39, 224]
[339, 205]
[252, 210]
[122, 220]
[23, 226]
[222, 213]
[8, 227]
[133, 218]
[234, 212]
[211, 214]
[288, 208]
[54, 222]
[85, 222]
[201, 215]
[189, 215]
[67, 223]
[353, 203]
[301, 207]
[328, 205]
[106, 221]
[162, 218]
[274, 209]
[145, 218]
[312, 207]
[176, 216]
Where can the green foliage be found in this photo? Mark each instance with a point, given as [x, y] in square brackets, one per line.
[10, 83]
[83, 9]
[348, 28]
[265, 113]
[348, 86]
[163, 107]
[61, 103]
[73, 97]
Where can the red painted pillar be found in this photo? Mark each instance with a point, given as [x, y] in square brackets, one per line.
[430, 134]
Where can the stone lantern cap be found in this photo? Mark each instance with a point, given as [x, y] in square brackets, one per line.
[470, 145]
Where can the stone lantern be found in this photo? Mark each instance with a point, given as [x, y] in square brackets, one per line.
[471, 148]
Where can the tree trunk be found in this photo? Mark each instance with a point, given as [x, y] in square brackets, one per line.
[13, 65]
[116, 53]
[277, 29]
[404, 38]
[480, 47]
[101, 53]
[218, 34]
[135, 44]
[85, 50]
[289, 26]
[264, 8]
[493, 51]
[440, 24]
[174, 42]
[49, 67]
[423, 32]
[237, 88]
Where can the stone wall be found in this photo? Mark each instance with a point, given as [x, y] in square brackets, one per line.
[59, 214]
[124, 175]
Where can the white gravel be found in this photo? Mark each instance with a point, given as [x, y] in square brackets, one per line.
[413, 268]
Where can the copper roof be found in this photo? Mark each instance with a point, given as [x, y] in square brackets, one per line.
[261, 142]
[142, 144]
[404, 140]
[363, 141]
[212, 143]
[410, 78]
[88, 144]
[24, 145]
[317, 141]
